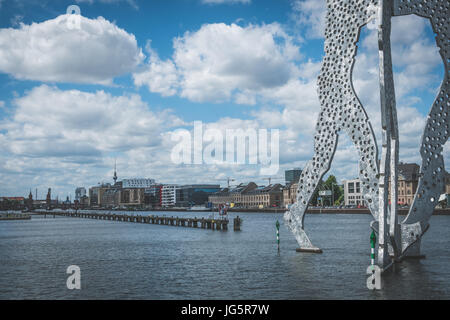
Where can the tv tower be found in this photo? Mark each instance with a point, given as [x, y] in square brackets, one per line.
[115, 173]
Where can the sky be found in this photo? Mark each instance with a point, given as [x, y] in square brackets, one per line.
[118, 88]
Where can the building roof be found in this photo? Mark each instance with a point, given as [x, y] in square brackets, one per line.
[266, 189]
[409, 171]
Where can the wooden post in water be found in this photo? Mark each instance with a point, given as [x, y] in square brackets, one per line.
[237, 224]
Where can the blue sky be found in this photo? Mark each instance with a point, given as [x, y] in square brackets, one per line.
[72, 102]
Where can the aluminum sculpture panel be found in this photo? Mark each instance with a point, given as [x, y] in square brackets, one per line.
[341, 110]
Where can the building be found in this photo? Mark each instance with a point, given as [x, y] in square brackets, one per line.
[220, 197]
[110, 198]
[352, 192]
[12, 203]
[447, 183]
[292, 176]
[126, 193]
[84, 202]
[169, 195]
[153, 196]
[249, 196]
[195, 194]
[263, 197]
[230, 195]
[137, 183]
[290, 194]
[132, 197]
[237, 193]
[49, 198]
[446, 194]
[96, 194]
[79, 193]
[408, 179]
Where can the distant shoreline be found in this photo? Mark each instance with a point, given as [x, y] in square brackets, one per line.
[271, 210]
[14, 216]
[337, 211]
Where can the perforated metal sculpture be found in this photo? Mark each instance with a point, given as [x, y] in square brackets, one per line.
[342, 111]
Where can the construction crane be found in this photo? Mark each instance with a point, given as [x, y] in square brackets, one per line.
[273, 178]
[228, 181]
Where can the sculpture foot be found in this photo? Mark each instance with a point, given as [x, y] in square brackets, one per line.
[413, 251]
[411, 239]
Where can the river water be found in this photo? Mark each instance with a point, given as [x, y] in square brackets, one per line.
[121, 260]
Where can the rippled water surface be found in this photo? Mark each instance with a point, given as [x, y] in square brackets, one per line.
[121, 260]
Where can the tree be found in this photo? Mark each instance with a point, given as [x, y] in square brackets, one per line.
[329, 184]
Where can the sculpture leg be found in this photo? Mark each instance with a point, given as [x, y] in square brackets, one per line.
[341, 110]
[388, 234]
[308, 183]
[432, 178]
[436, 133]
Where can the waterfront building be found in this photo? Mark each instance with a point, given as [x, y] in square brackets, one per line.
[132, 197]
[153, 196]
[12, 203]
[137, 183]
[292, 176]
[110, 197]
[447, 183]
[263, 197]
[237, 193]
[352, 192]
[125, 193]
[96, 194]
[79, 193]
[249, 196]
[169, 195]
[84, 202]
[408, 179]
[290, 194]
[195, 194]
[39, 203]
[49, 197]
[220, 197]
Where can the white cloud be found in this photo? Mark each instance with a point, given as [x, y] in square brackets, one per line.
[51, 122]
[159, 76]
[310, 16]
[220, 61]
[52, 52]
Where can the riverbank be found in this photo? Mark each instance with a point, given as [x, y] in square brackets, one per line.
[405, 211]
[401, 211]
[14, 216]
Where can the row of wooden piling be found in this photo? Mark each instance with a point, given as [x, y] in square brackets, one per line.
[212, 224]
